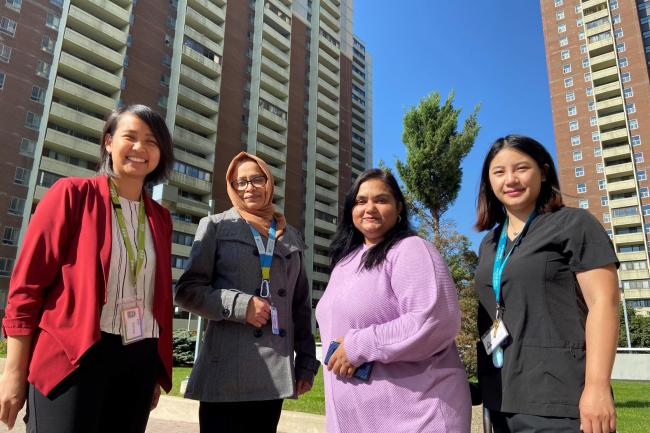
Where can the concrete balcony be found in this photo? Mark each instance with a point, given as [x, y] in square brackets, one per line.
[332, 22]
[283, 5]
[207, 27]
[184, 227]
[275, 37]
[176, 273]
[196, 101]
[215, 47]
[330, 31]
[621, 186]
[83, 97]
[192, 141]
[327, 133]
[106, 11]
[328, 76]
[359, 154]
[326, 195]
[280, 103]
[96, 29]
[635, 274]
[271, 16]
[64, 169]
[89, 74]
[605, 76]
[70, 145]
[600, 47]
[278, 190]
[609, 106]
[270, 154]
[209, 9]
[332, 210]
[592, 16]
[323, 225]
[273, 86]
[278, 173]
[272, 120]
[591, 3]
[612, 121]
[321, 260]
[327, 60]
[274, 53]
[635, 256]
[328, 149]
[624, 202]
[320, 277]
[268, 135]
[274, 70]
[190, 183]
[326, 180]
[329, 90]
[321, 242]
[603, 61]
[598, 29]
[181, 250]
[327, 104]
[331, 7]
[327, 119]
[327, 164]
[83, 47]
[192, 207]
[614, 152]
[359, 124]
[191, 159]
[626, 221]
[607, 91]
[200, 63]
[199, 82]
[631, 238]
[620, 170]
[76, 120]
[192, 120]
[615, 136]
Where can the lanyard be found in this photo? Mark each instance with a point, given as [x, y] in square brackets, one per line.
[266, 257]
[134, 264]
[500, 260]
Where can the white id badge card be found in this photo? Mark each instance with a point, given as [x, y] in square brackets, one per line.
[132, 321]
[275, 327]
[494, 336]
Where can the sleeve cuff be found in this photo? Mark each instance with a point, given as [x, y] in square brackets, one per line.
[359, 346]
[239, 306]
[14, 329]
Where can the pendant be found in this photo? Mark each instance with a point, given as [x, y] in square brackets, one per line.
[497, 357]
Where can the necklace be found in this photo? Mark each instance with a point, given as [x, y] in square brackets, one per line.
[515, 233]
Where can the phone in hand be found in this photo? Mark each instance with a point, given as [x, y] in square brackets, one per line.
[362, 372]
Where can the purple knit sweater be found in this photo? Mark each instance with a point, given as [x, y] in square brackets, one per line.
[404, 316]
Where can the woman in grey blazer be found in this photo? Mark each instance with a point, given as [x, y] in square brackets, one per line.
[246, 276]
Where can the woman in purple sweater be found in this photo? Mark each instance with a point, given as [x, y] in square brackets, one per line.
[391, 302]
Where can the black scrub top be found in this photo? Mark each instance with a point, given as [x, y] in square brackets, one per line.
[545, 313]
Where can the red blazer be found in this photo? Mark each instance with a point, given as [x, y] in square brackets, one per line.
[58, 285]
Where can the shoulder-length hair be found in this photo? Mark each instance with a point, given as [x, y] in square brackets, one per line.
[156, 123]
[348, 238]
[489, 209]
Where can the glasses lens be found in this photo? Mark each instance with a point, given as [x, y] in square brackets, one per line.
[259, 181]
[239, 184]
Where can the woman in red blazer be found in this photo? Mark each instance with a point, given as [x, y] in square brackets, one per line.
[89, 314]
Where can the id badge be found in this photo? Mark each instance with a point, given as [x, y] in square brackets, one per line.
[132, 321]
[275, 327]
[494, 336]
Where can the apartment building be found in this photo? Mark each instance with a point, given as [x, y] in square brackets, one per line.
[272, 77]
[598, 57]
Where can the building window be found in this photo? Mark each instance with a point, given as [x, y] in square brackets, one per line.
[577, 155]
[52, 21]
[580, 171]
[564, 41]
[573, 125]
[598, 151]
[595, 136]
[583, 203]
[606, 217]
[14, 4]
[636, 140]
[626, 77]
[568, 82]
[47, 44]
[616, 19]
[10, 236]
[587, 76]
[571, 110]
[600, 167]
[581, 36]
[591, 105]
[589, 91]
[593, 121]
[644, 192]
[27, 147]
[575, 140]
[8, 26]
[628, 92]
[602, 184]
[645, 210]
[638, 157]
[620, 47]
[570, 96]
[22, 176]
[622, 63]
[640, 175]
[164, 80]
[42, 69]
[162, 101]
[561, 28]
[579, 22]
[564, 54]
[5, 53]
[6, 266]
[603, 200]
[581, 188]
[558, 3]
[578, 8]
[630, 108]
[167, 60]
[613, 4]
[634, 124]
[16, 206]
[583, 48]
[38, 94]
[2, 80]
[618, 33]
[566, 68]
[32, 120]
[559, 15]
[585, 63]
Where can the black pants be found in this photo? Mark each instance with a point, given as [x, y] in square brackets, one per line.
[240, 417]
[110, 392]
[522, 423]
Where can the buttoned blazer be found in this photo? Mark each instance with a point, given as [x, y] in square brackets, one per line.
[58, 284]
[239, 362]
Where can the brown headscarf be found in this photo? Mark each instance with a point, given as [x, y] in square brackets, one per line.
[258, 218]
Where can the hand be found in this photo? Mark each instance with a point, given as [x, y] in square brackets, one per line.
[302, 386]
[597, 413]
[339, 363]
[258, 312]
[13, 390]
[156, 397]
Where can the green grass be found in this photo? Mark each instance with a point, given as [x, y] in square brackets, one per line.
[312, 402]
[3, 347]
[632, 405]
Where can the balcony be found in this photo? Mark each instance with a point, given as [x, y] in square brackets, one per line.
[211, 10]
[97, 29]
[327, 133]
[320, 277]
[200, 63]
[85, 72]
[360, 125]
[608, 91]
[598, 29]
[635, 256]
[609, 106]
[273, 86]
[274, 53]
[83, 47]
[620, 170]
[278, 190]
[631, 238]
[278, 173]
[328, 76]
[64, 169]
[621, 186]
[615, 136]
[207, 27]
[601, 47]
[326, 195]
[331, 8]
[327, 17]
[271, 16]
[328, 61]
[330, 31]
[326, 180]
[603, 61]
[328, 90]
[76, 120]
[181, 250]
[605, 76]
[321, 260]
[193, 141]
[191, 159]
[202, 39]
[635, 274]
[272, 120]
[624, 202]
[327, 119]
[327, 164]
[277, 39]
[106, 11]
[328, 149]
[326, 103]
[83, 97]
[267, 153]
[269, 135]
[321, 242]
[613, 152]
[274, 70]
[190, 183]
[632, 220]
[592, 3]
[194, 121]
[70, 145]
[192, 207]
[324, 226]
[199, 82]
[196, 101]
[612, 121]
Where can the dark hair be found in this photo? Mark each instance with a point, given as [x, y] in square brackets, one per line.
[348, 238]
[489, 209]
[156, 123]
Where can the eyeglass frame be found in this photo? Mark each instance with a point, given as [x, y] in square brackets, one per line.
[251, 181]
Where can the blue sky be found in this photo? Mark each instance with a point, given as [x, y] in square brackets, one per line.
[489, 52]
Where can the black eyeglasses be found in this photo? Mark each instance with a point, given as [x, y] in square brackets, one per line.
[242, 184]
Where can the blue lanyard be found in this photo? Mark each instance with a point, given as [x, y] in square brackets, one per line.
[266, 257]
[500, 260]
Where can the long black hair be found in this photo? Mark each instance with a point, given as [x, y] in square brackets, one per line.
[348, 238]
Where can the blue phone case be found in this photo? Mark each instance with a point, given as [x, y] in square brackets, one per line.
[361, 373]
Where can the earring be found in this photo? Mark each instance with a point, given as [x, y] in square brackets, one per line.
[399, 219]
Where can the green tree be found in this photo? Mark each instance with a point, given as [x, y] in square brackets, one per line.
[639, 328]
[434, 151]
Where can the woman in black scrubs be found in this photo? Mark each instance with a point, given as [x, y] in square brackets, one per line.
[548, 289]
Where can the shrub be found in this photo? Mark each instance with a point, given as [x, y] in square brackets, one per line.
[183, 347]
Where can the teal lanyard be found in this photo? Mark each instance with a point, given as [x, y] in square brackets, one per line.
[266, 257]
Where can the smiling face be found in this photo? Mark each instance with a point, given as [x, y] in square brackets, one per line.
[375, 211]
[516, 180]
[133, 148]
[254, 197]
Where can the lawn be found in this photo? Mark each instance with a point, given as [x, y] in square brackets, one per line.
[632, 405]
